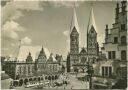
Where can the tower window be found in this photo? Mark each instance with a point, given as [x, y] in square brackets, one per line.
[123, 40]
[83, 60]
[109, 55]
[110, 71]
[29, 69]
[122, 26]
[113, 54]
[106, 71]
[123, 55]
[103, 71]
[115, 40]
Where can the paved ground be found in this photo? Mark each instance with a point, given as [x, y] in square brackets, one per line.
[75, 84]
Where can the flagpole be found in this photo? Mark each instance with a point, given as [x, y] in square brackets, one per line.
[18, 50]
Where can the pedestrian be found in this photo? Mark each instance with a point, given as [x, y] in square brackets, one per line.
[64, 86]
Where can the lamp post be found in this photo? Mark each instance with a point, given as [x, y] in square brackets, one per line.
[90, 72]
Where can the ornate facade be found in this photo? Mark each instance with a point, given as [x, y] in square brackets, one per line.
[74, 46]
[40, 63]
[79, 59]
[113, 69]
[115, 45]
[29, 69]
[92, 45]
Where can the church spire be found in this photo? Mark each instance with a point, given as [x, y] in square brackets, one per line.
[74, 22]
[29, 58]
[42, 50]
[91, 21]
[42, 56]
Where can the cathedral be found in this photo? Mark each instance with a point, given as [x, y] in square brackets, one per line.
[78, 57]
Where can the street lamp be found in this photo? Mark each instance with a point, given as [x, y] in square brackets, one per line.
[90, 72]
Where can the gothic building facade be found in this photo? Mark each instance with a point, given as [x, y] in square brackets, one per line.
[92, 44]
[115, 45]
[113, 70]
[76, 58]
[25, 71]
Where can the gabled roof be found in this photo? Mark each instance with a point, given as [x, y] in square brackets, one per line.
[42, 50]
[42, 56]
[29, 57]
[74, 31]
[92, 30]
[51, 58]
[83, 51]
[42, 53]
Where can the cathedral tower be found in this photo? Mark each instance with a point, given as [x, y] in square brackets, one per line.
[92, 42]
[74, 40]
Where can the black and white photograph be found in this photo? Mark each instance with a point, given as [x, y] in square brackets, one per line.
[63, 44]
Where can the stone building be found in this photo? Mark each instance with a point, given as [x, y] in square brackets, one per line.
[114, 67]
[20, 69]
[115, 45]
[29, 70]
[92, 45]
[40, 63]
[59, 58]
[52, 64]
[78, 58]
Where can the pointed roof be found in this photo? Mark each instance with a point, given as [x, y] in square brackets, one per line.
[51, 58]
[42, 54]
[83, 51]
[29, 54]
[74, 22]
[29, 58]
[91, 22]
[42, 50]
[92, 29]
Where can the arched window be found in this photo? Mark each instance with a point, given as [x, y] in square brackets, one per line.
[123, 40]
[83, 59]
[123, 55]
[29, 71]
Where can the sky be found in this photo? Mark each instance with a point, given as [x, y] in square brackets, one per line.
[47, 24]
